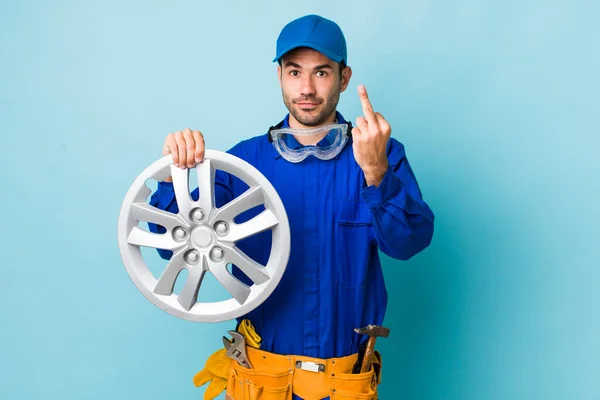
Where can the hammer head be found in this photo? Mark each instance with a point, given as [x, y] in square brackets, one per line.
[373, 330]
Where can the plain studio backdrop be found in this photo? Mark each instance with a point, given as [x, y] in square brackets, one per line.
[495, 101]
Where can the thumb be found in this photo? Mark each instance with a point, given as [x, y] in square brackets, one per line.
[202, 377]
[215, 388]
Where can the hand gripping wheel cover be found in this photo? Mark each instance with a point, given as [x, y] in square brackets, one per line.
[203, 238]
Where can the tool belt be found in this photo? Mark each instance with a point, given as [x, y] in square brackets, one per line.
[276, 377]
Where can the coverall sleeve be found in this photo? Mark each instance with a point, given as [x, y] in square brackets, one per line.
[164, 198]
[402, 221]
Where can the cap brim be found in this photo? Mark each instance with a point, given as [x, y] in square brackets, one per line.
[320, 49]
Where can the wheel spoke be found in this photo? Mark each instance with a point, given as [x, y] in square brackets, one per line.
[181, 186]
[237, 289]
[250, 198]
[206, 183]
[189, 294]
[166, 282]
[163, 241]
[253, 270]
[260, 223]
[145, 212]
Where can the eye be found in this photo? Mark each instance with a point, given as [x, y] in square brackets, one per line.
[322, 73]
[294, 72]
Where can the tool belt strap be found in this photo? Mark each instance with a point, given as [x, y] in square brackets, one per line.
[276, 377]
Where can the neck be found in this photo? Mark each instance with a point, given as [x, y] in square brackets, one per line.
[311, 140]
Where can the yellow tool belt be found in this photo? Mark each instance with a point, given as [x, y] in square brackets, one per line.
[276, 377]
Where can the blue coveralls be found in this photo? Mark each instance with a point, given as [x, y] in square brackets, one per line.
[333, 282]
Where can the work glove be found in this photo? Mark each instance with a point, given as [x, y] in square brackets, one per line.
[216, 371]
[247, 330]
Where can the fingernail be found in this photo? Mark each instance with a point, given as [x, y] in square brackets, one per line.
[198, 159]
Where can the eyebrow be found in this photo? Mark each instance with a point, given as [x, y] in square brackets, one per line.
[318, 67]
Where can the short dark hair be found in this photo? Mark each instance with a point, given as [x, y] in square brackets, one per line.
[342, 66]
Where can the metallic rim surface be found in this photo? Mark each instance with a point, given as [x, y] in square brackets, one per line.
[203, 238]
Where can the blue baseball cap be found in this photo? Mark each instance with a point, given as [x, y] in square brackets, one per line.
[316, 32]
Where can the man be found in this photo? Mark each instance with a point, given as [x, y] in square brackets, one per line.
[347, 194]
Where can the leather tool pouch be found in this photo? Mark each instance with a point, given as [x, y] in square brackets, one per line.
[345, 386]
[274, 377]
[258, 384]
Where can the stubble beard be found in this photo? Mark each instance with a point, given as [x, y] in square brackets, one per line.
[308, 120]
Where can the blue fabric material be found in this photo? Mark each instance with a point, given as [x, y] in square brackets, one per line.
[315, 32]
[333, 282]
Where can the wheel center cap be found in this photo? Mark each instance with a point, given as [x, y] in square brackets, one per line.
[202, 236]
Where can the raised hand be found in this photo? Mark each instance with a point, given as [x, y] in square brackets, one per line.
[370, 138]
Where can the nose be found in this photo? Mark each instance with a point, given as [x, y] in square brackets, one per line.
[307, 86]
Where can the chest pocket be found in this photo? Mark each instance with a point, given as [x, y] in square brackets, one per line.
[355, 237]
[354, 212]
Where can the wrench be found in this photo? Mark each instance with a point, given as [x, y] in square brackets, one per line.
[236, 348]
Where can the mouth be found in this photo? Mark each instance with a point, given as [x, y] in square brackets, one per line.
[307, 106]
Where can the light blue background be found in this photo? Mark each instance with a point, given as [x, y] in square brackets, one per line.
[496, 102]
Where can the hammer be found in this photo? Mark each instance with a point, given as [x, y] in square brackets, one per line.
[373, 331]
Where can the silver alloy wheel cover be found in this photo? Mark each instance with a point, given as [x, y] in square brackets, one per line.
[207, 245]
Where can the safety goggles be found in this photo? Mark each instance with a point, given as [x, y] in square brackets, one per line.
[285, 142]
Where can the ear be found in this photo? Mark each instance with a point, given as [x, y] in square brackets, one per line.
[346, 75]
